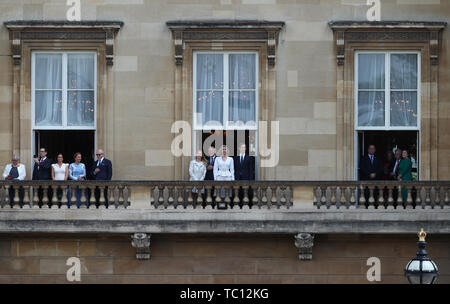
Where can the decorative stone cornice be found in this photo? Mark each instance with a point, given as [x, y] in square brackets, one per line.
[141, 241]
[225, 30]
[382, 31]
[37, 30]
[304, 242]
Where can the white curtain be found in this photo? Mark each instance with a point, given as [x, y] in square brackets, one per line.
[242, 94]
[403, 90]
[80, 86]
[209, 85]
[371, 85]
[48, 89]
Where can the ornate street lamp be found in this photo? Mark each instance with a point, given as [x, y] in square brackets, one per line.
[421, 269]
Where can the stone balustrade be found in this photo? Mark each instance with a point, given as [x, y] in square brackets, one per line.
[236, 195]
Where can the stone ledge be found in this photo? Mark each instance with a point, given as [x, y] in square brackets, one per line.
[22, 24]
[349, 24]
[205, 221]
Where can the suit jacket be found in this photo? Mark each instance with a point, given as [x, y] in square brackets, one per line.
[42, 170]
[244, 170]
[105, 172]
[368, 168]
[210, 173]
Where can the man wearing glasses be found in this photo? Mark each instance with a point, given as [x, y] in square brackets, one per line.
[42, 171]
[101, 170]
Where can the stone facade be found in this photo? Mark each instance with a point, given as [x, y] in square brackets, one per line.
[144, 85]
[139, 92]
[214, 259]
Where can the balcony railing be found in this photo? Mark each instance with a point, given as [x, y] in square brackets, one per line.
[237, 195]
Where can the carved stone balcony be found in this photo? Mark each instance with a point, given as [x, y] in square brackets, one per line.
[225, 207]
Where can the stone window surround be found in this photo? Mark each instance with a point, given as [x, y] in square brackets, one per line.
[223, 35]
[29, 36]
[352, 36]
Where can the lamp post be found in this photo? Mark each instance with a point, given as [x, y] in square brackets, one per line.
[421, 269]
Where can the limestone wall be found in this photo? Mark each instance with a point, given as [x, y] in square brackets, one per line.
[144, 72]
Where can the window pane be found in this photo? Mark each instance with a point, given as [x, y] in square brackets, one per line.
[80, 108]
[210, 107]
[371, 71]
[242, 106]
[209, 72]
[48, 71]
[242, 71]
[404, 109]
[80, 71]
[403, 71]
[48, 108]
[371, 109]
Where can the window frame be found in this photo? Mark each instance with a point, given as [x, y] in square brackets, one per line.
[64, 90]
[225, 102]
[387, 91]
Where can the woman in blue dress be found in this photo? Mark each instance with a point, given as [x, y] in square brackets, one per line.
[77, 172]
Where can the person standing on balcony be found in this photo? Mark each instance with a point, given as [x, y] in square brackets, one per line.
[243, 170]
[101, 170]
[210, 163]
[77, 172]
[197, 172]
[405, 173]
[371, 170]
[398, 158]
[60, 172]
[15, 172]
[42, 171]
[224, 169]
[210, 160]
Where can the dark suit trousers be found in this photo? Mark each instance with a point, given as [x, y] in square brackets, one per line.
[97, 194]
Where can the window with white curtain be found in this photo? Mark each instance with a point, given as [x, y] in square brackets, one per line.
[225, 90]
[387, 90]
[64, 90]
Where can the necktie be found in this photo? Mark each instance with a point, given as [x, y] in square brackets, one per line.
[242, 159]
[371, 159]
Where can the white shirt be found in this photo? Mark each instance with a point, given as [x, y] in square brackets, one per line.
[241, 158]
[197, 170]
[20, 169]
[224, 170]
[60, 172]
[396, 164]
[99, 161]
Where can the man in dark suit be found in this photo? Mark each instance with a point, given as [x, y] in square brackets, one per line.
[370, 165]
[210, 159]
[244, 170]
[42, 171]
[371, 169]
[101, 170]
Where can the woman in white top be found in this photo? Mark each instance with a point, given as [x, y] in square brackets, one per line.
[224, 170]
[197, 172]
[60, 172]
[224, 167]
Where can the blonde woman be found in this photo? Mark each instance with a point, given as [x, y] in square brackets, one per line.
[224, 169]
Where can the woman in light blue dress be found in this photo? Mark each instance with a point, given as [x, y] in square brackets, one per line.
[77, 172]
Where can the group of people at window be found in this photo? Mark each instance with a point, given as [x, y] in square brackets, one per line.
[222, 168]
[392, 168]
[45, 169]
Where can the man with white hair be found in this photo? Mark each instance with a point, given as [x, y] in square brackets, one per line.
[101, 170]
[15, 171]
